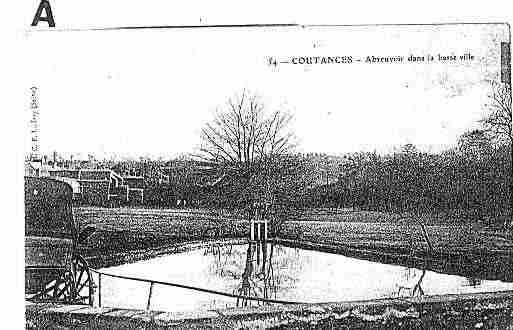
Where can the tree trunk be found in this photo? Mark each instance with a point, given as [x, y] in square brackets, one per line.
[426, 236]
[511, 189]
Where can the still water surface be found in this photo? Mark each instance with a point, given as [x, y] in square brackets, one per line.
[274, 272]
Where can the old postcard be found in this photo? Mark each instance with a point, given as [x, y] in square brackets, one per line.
[268, 176]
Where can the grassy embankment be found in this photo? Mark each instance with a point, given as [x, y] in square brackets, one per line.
[371, 230]
[122, 230]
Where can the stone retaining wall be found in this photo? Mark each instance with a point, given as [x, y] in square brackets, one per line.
[40, 315]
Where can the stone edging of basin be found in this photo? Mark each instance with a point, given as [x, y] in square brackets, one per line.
[381, 250]
[267, 316]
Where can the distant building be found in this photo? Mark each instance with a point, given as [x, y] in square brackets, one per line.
[150, 171]
[99, 186]
[33, 168]
[36, 168]
[75, 186]
[189, 172]
[135, 188]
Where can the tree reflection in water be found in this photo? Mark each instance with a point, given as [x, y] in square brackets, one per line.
[270, 271]
[406, 289]
[263, 271]
[410, 284]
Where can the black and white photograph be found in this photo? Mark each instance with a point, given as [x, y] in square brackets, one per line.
[266, 176]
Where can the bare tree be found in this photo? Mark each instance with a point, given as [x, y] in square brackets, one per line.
[498, 122]
[245, 140]
[244, 133]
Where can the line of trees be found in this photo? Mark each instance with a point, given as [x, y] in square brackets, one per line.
[470, 182]
[254, 149]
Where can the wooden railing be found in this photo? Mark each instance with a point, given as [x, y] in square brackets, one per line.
[177, 285]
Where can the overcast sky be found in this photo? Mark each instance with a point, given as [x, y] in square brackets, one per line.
[148, 92]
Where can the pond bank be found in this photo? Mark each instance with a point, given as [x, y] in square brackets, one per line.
[489, 265]
[494, 265]
[123, 232]
[120, 258]
[483, 310]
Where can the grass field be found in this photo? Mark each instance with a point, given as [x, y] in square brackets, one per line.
[121, 230]
[130, 229]
[368, 229]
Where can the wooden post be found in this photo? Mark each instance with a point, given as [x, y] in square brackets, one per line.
[108, 192]
[258, 246]
[99, 290]
[92, 287]
[265, 230]
[149, 296]
[252, 230]
[259, 233]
